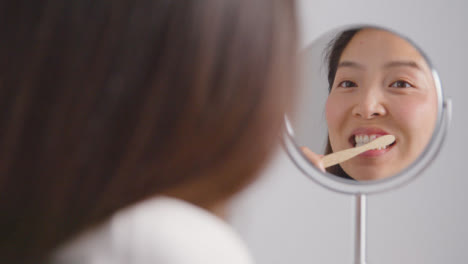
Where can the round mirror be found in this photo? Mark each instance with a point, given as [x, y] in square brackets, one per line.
[361, 85]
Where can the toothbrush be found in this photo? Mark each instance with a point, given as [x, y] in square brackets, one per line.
[343, 155]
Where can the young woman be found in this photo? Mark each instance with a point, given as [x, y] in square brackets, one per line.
[379, 84]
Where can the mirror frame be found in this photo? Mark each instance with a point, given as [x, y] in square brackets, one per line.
[346, 186]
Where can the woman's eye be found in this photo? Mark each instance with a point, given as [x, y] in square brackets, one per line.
[401, 84]
[347, 84]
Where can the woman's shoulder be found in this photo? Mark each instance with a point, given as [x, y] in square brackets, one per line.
[158, 230]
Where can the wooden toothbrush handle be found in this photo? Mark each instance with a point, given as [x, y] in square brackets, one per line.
[346, 154]
[340, 156]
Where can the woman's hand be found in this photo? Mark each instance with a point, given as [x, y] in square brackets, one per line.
[315, 158]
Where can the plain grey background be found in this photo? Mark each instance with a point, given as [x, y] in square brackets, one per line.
[286, 218]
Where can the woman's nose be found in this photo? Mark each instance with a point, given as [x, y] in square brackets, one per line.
[370, 105]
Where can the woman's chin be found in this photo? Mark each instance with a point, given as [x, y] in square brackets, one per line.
[368, 174]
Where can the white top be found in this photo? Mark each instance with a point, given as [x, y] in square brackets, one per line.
[158, 231]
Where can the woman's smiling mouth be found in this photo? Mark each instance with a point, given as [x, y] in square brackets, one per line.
[362, 136]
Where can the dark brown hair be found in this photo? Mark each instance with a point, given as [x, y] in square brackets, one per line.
[107, 103]
[333, 55]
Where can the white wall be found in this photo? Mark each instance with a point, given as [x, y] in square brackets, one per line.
[286, 218]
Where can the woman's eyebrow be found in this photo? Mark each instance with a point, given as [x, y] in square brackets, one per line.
[351, 64]
[391, 64]
[411, 64]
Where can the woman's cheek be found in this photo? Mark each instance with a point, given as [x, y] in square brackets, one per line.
[333, 111]
[417, 115]
[406, 113]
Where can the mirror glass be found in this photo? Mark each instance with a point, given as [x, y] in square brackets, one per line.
[359, 84]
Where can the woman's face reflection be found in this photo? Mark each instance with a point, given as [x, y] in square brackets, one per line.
[382, 86]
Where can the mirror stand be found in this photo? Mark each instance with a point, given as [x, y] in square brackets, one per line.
[360, 229]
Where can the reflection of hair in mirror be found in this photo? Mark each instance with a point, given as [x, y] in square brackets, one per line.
[334, 50]
[117, 103]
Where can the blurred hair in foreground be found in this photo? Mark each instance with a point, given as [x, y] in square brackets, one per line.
[107, 103]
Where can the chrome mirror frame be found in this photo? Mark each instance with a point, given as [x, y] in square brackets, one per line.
[347, 186]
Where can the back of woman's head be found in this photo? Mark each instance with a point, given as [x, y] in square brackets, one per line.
[106, 103]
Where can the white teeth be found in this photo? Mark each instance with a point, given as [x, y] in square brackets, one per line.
[380, 148]
[364, 139]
